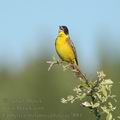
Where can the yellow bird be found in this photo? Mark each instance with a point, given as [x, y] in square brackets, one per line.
[65, 47]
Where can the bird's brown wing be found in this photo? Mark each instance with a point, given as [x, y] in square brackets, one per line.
[74, 50]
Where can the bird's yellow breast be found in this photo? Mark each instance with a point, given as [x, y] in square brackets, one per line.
[64, 49]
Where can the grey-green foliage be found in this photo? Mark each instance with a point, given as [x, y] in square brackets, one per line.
[95, 95]
[101, 93]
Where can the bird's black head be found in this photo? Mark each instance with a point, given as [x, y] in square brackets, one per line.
[64, 29]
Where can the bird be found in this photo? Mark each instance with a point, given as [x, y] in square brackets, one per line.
[67, 52]
[65, 47]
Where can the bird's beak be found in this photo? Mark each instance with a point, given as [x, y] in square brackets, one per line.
[60, 29]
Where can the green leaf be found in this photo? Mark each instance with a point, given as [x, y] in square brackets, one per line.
[86, 104]
[99, 96]
[83, 84]
[110, 105]
[63, 100]
[104, 91]
[82, 96]
[118, 117]
[70, 98]
[107, 82]
[109, 116]
[105, 110]
[96, 105]
[108, 87]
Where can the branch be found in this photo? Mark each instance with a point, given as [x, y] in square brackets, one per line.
[99, 90]
[72, 67]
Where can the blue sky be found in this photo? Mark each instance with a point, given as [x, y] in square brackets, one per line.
[26, 25]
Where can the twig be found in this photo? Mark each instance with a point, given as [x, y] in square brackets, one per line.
[73, 67]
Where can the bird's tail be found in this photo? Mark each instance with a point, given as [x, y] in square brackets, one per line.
[76, 62]
[78, 72]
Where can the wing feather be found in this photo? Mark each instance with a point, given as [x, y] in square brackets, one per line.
[74, 50]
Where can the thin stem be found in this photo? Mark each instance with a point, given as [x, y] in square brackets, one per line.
[96, 111]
